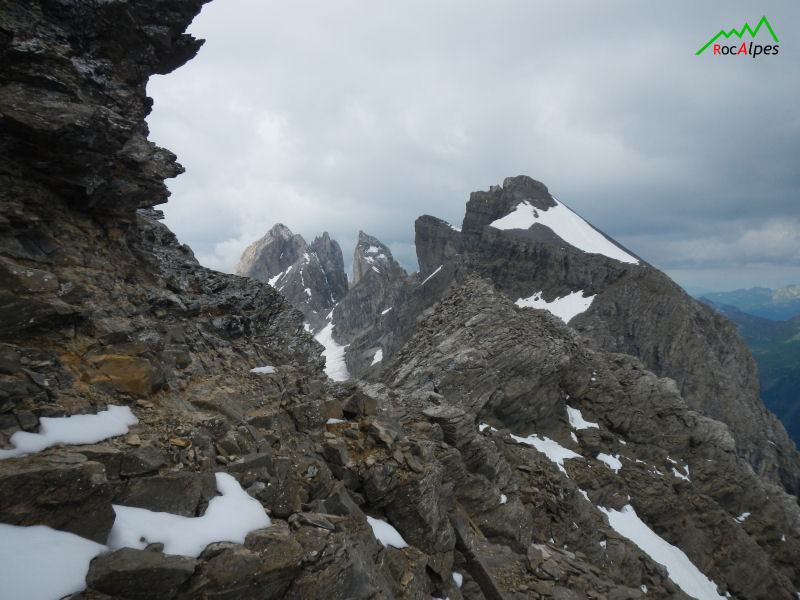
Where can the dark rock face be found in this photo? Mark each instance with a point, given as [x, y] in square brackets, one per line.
[380, 285]
[371, 255]
[101, 306]
[329, 255]
[83, 98]
[311, 277]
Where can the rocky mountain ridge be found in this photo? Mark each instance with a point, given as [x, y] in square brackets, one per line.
[635, 309]
[495, 455]
[516, 236]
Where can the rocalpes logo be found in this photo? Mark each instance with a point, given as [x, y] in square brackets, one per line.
[736, 49]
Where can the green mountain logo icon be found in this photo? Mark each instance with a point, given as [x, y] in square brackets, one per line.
[739, 34]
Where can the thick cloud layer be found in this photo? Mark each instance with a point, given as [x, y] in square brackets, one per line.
[351, 115]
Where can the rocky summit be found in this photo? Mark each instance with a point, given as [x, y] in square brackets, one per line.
[311, 276]
[537, 413]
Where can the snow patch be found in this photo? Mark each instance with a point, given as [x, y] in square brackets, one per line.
[459, 579]
[680, 475]
[386, 311]
[611, 461]
[40, 563]
[684, 476]
[503, 498]
[742, 517]
[439, 268]
[228, 518]
[77, 429]
[565, 308]
[335, 367]
[273, 280]
[679, 568]
[576, 420]
[565, 224]
[550, 448]
[386, 534]
[333, 421]
[378, 357]
[265, 369]
[650, 468]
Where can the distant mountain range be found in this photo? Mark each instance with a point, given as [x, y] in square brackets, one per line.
[775, 346]
[775, 305]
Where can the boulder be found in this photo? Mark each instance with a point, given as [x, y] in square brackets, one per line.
[139, 574]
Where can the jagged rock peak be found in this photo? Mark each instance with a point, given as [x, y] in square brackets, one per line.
[279, 231]
[371, 255]
[271, 254]
[329, 254]
[524, 207]
[311, 276]
[485, 207]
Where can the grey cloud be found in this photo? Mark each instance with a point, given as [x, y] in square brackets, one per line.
[356, 115]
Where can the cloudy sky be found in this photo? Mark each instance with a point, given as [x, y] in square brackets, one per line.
[364, 114]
